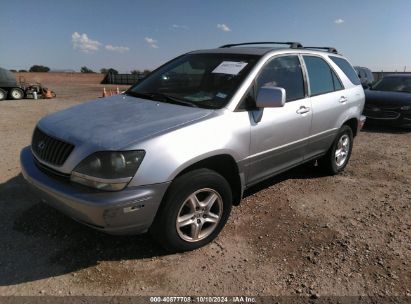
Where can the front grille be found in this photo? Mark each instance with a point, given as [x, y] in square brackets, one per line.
[378, 112]
[382, 107]
[390, 114]
[50, 149]
[50, 171]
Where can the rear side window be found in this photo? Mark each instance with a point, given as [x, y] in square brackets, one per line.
[346, 67]
[337, 83]
[284, 72]
[321, 77]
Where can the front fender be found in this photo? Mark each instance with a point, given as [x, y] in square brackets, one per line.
[169, 154]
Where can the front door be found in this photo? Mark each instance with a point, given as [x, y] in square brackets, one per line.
[279, 139]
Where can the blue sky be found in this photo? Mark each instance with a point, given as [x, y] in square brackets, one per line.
[131, 35]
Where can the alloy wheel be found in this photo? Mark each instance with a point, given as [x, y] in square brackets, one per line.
[343, 148]
[199, 215]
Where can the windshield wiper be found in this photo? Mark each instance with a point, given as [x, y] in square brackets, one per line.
[162, 97]
[140, 95]
[173, 99]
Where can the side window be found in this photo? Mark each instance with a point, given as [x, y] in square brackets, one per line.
[370, 76]
[284, 72]
[346, 67]
[321, 77]
[337, 83]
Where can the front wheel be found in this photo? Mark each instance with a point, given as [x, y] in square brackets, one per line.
[339, 154]
[194, 211]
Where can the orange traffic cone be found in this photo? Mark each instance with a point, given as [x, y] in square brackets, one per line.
[104, 93]
[47, 94]
[118, 91]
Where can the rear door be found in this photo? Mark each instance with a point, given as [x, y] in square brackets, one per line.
[328, 101]
[279, 139]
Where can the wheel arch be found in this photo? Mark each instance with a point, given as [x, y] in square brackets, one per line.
[353, 124]
[226, 166]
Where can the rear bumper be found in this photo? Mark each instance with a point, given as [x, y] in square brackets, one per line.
[361, 122]
[130, 211]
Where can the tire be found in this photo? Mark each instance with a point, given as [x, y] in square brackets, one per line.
[339, 153]
[16, 93]
[178, 225]
[3, 94]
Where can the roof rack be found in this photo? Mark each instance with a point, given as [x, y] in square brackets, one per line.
[293, 45]
[326, 48]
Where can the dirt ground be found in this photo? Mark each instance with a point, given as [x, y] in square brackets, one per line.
[299, 233]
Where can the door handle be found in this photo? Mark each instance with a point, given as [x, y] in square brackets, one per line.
[302, 110]
[343, 99]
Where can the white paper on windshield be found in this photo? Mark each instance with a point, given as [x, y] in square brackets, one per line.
[230, 67]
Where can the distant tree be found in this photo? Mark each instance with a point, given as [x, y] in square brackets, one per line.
[108, 71]
[14, 71]
[39, 68]
[135, 72]
[22, 70]
[85, 69]
[146, 72]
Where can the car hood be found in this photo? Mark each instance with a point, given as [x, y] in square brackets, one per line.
[387, 98]
[118, 121]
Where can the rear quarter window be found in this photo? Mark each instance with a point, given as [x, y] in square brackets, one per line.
[346, 67]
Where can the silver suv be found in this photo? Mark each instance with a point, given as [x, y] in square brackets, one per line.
[173, 153]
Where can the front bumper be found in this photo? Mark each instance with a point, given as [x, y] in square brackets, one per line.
[130, 211]
[389, 116]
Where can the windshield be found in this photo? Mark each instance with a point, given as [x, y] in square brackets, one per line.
[199, 80]
[394, 84]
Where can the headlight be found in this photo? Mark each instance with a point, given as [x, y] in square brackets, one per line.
[406, 108]
[110, 171]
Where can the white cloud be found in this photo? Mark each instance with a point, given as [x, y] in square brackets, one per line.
[84, 44]
[339, 21]
[119, 49]
[151, 42]
[179, 26]
[223, 27]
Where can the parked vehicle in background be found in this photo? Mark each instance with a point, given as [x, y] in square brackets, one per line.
[8, 86]
[178, 149]
[11, 89]
[365, 75]
[388, 102]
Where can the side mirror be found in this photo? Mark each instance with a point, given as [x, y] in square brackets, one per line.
[270, 97]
